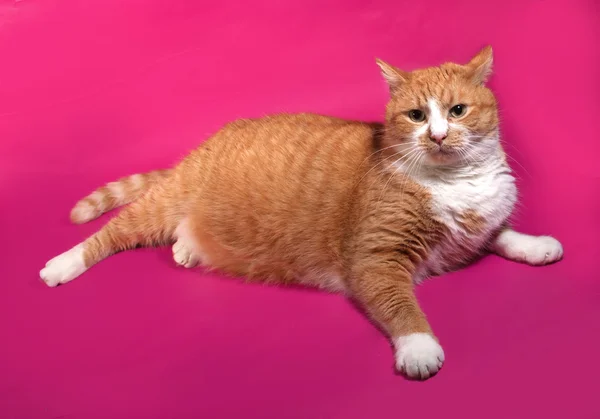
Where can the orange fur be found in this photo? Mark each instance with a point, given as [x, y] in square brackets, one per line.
[471, 221]
[314, 200]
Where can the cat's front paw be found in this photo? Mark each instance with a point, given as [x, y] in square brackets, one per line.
[533, 250]
[418, 355]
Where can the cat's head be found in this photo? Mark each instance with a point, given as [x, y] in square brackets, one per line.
[442, 115]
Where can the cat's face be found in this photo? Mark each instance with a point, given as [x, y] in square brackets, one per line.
[442, 115]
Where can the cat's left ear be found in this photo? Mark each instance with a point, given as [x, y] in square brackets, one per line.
[480, 67]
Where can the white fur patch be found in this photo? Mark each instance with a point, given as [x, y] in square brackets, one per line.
[487, 188]
[117, 191]
[186, 251]
[533, 250]
[83, 212]
[438, 123]
[64, 267]
[418, 355]
[137, 180]
[98, 198]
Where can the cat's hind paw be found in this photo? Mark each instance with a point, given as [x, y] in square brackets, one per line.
[183, 254]
[64, 267]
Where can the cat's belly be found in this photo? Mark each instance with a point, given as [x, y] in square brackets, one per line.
[262, 260]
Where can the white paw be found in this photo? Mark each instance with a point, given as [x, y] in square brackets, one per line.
[64, 267]
[418, 355]
[183, 255]
[533, 250]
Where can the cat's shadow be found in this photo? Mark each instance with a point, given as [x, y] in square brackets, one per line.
[165, 256]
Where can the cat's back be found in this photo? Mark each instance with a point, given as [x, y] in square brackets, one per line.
[290, 154]
[294, 133]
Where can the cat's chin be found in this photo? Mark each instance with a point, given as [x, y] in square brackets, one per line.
[442, 158]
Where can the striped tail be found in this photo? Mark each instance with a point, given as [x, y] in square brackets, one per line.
[115, 194]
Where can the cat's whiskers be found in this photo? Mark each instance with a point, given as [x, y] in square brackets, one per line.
[408, 156]
[515, 148]
[463, 155]
[517, 163]
[385, 159]
[378, 151]
[405, 155]
[413, 156]
[408, 175]
[471, 137]
[472, 155]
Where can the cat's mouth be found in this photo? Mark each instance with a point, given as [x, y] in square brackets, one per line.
[445, 151]
[442, 150]
[442, 154]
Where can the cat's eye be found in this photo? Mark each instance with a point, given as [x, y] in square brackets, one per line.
[416, 115]
[458, 110]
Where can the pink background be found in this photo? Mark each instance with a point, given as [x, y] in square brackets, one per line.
[92, 90]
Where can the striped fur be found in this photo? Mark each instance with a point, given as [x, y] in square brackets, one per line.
[114, 195]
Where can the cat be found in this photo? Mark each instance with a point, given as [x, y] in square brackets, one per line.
[365, 209]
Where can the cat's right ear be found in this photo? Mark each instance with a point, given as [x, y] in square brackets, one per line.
[394, 77]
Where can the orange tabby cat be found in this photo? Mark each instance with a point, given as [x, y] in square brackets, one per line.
[364, 209]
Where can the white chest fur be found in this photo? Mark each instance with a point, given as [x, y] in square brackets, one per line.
[486, 191]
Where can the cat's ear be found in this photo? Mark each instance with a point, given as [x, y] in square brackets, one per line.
[480, 67]
[392, 75]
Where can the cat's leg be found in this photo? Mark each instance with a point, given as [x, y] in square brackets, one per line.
[533, 250]
[385, 290]
[146, 222]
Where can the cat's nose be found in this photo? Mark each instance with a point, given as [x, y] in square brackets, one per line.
[438, 138]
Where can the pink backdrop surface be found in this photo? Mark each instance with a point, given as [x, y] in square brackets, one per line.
[90, 91]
